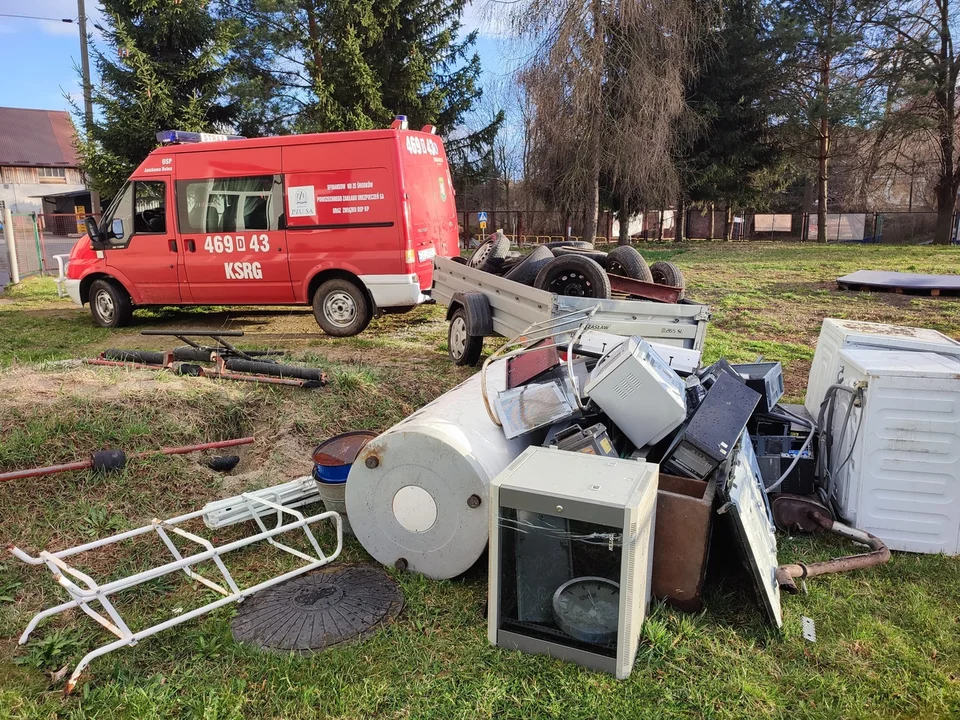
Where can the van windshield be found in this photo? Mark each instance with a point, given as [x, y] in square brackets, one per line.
[107, 217]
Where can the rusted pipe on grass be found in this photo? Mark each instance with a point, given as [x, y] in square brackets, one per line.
[116, 459]
[878, 555]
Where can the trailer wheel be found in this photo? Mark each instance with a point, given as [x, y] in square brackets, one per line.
[110, 304]
[463, 348]
[574, 276]
[666, 273]
[341, 308]
[626, 261]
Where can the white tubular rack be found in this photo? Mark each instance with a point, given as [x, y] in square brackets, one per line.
[233, 510]
[81, 597]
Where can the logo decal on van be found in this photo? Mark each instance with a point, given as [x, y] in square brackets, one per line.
[243, 271]
[443, 190]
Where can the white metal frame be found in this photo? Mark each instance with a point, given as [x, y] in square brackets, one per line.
[257, 505]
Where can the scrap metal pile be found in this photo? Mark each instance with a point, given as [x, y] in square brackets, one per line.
[221, 361]
[575, 268]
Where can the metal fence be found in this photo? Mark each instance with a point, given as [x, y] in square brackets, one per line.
[37, 240]
[538, 226]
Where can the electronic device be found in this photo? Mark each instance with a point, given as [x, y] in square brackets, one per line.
[593, 440]
[836, 335]
[895, 456]
[775, 455]
[710, 434]
[571, 555]
[638, 391]
[596, 343]
[746, 505]
[766, 378]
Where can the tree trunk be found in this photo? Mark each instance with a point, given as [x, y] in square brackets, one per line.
[728, 224]
[823, 156]
[946, 205]
[623, 217]
[948, 181]
[593, 189]
[680, 221]
[713, 223]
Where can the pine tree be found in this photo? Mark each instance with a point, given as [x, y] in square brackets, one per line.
[311, 66]
[166, 72]
[733, 153]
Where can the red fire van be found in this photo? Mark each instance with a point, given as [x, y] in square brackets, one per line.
[348, 222]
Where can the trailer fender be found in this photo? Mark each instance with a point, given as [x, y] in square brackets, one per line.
[477, 308]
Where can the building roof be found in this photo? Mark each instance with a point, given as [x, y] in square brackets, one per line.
[37, 138]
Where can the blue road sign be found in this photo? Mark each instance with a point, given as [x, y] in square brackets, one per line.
[481, 217]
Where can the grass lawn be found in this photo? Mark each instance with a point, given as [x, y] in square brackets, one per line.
[888, 639]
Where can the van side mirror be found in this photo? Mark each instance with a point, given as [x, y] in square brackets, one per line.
[116, 230]
[93, 231]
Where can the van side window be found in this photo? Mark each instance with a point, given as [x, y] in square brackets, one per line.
[229, 204]
[149, 207]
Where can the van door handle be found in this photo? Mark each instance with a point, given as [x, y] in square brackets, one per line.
[191, 246]
[173, 245]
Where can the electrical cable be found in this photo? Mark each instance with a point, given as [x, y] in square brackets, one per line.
[786, 473]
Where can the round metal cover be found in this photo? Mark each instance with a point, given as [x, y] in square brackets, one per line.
[330, 606]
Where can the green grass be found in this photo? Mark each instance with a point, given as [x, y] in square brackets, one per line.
[888, 638]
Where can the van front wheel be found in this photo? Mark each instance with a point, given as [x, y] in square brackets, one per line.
[109, 304]
[341, 308]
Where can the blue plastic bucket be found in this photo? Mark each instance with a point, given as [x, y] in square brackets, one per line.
[333, 458]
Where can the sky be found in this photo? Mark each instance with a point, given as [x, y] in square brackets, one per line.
[39, 57]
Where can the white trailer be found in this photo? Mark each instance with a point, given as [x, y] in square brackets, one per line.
[480, 305]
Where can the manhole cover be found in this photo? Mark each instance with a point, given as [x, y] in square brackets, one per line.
[330, 606]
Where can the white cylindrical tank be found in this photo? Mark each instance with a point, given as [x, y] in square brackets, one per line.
[417, 494]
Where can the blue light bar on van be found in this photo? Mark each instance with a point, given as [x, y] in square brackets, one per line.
[182, 136]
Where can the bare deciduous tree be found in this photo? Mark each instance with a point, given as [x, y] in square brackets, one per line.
[606, 86]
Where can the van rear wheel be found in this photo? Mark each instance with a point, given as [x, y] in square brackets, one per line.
[341, 308]
[110, 305]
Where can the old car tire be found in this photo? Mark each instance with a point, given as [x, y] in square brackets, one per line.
[598, 256]
[626, 261]
[491, 253]
[582, 244]
[341, 308]
[463, 348]
[526, 271]
[666, 273]
[575, 276]
[110, 304]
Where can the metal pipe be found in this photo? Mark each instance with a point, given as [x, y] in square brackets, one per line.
[87, 464]
[878, 555]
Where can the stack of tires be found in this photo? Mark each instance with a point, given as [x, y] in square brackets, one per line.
[571, 267]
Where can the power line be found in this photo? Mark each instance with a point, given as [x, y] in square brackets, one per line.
[36, 17]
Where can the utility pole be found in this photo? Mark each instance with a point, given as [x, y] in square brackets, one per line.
[87, 89]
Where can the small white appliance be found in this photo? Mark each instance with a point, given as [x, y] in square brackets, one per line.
[571, 556]
[835, 335]
[902, 480]
[640, 393]
[598, 343]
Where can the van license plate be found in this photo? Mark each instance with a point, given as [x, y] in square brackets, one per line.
[428, 254]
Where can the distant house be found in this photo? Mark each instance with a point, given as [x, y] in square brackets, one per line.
[38, 163]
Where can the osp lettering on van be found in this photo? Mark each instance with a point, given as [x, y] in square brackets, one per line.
[243, 271]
